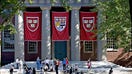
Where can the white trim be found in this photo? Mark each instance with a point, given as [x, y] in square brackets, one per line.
[111, 49]
[8, 50]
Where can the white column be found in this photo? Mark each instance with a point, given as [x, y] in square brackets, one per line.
[46, 39]
[75, 34]
[19, 36]
[101, 52]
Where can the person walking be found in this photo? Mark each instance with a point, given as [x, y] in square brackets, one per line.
[67, 61]
[21, 65]
[89, 63]
[34, 71]
[41, 71]
[76, 67]
[64, 64]
[56, 66]
[70, 71]
[12, 69]
[47, 62]
[51, 68]
[38, 63]
[17, 63]
[111, 70]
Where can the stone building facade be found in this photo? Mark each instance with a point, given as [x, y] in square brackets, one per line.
[74, 48]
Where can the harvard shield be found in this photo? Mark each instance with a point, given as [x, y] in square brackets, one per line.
[32, 23]
[60, 23]
[88, 23]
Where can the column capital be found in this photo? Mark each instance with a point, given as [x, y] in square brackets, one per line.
[76, 7]
[45, 8]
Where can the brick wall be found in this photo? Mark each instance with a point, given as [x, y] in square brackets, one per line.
[120, 57]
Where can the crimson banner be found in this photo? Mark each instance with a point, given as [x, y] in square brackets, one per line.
[60, 25]
[88, 25]
[32, 25]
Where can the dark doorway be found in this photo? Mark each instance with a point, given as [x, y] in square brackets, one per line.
[60, 49]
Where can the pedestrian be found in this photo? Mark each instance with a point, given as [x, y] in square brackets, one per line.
[76, 67]
[45, 68]
[30, 70]
[64, 64]
[21, 65]
[38, 63]
[56, 66]
[12, 69]
[89, 63]
[111, 71]
[34, 71]
[41, 71]
[70, 71]
[81, 72]
[67, 61]
[17, 63]
[25, 66]
[51, 61]
[51, 68]
[47, 61]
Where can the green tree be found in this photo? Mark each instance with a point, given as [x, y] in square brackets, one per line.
[116, 21]
[8, 9]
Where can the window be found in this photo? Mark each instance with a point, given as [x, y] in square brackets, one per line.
[88, 46]
[8, 44]
[111, 43]
[32, 47]
[8, 36]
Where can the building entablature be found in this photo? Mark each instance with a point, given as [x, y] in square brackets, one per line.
[58, 3]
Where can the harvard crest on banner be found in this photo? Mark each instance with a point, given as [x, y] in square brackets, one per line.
[60, 23]
[88, 25]
[60, 26]
[32, 25]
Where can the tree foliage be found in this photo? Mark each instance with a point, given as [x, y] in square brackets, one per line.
[8, 9]
[64, 3]
[116, 21]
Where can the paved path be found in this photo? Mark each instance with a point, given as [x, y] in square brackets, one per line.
[98, 67]
[90, 72]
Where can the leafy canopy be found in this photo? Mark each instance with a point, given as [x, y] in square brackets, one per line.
[8, 9]
[116, 21]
